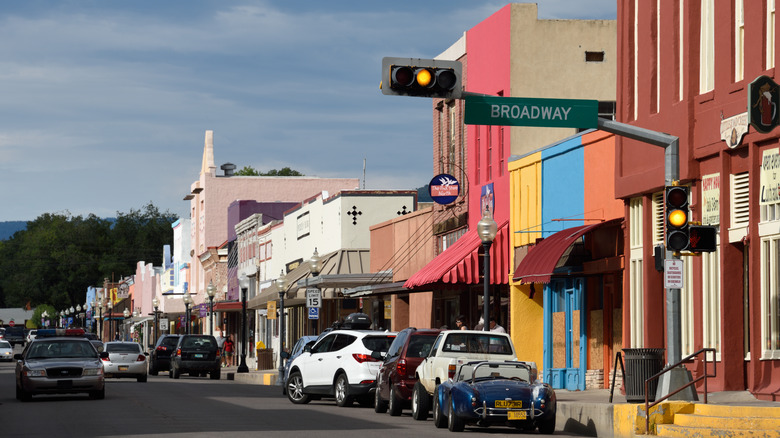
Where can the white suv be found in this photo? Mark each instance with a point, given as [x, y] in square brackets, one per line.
[339, 365]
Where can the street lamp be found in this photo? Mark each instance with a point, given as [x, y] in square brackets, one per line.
[281, 284]
[211, 290]
[110, 314]
[156, 305]
[187, 316]
[315, 266]
[126, 314]
[486, 228]
[78, 315]
[100, 317]
[243, 283]
[44, 315]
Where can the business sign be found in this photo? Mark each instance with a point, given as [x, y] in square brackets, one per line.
[763, 95]
[313, 297]
[710, 195]
[733, 129]
[523, 111]
[770, 177]
[444, 189]
[271, 310]
[673, 274]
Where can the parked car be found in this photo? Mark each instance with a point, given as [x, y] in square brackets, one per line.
[495, 393]
[160, 357]
[125, 359]
[339, 365]
[295, 352]
[6, 351]
[197, 355]
[31, 335]
[64, 363]
[15, 335]
[396, 378]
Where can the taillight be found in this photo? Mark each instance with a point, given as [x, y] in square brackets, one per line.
[140, 358]
[161, 348]
[401, 367]
[360, 358]
[105, 359]
[451, 371]
[178, 352]
[218, 354]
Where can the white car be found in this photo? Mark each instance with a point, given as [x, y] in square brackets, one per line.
[339, 365]
[6, 351]
[125, 359]
[31, 335]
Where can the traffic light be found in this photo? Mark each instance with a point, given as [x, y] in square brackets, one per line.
[676, 199]
[703, 238]
[422, 78]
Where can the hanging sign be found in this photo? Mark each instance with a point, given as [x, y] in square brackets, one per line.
[763, 95]
[444, 189]
[733, 129]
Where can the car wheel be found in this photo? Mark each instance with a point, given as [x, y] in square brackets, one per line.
[22, 395]
[216, 374]
[454, 423]
[142, 378]
[395, 407]
[341, 391]
[152, 370]
[380, 406]
[421, 402]
[98, 395]
[547, 427]
[439, 419]
[295, 389]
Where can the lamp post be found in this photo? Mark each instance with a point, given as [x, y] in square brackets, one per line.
[100, 317]
[126, 314]
[44, 315]
[243, 283]
[486, 228]
[110, 314]
[315, 266]
[78, 315]
[211, 290]
[281, 284]
[156, 305]
[187, 302]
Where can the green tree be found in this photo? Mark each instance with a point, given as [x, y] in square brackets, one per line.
[251, 171]
[247, 171]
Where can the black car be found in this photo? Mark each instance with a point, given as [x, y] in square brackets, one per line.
[160, 358]
[16, 335]
[197, 355]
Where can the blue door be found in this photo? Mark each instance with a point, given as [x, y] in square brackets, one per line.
[564, 334]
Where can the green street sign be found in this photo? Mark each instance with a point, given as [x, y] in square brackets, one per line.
[522, 111]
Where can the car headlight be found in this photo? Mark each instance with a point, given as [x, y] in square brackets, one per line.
[35, 373]
[92, 371]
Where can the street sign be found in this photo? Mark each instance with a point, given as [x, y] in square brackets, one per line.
[163, 323]
[271, 310]
[673, 274]
[523, 111]
[314, 313]
[313, 297]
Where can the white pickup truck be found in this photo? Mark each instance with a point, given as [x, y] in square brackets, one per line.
[450, 349]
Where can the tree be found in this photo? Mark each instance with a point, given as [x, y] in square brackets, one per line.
[251, 171]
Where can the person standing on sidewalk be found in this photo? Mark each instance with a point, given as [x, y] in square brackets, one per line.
[227, 356]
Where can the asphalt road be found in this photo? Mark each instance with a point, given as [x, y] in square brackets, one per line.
[199, 407]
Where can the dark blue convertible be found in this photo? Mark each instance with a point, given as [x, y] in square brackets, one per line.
[495, 393]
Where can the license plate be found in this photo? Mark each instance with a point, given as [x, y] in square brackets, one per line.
[122, 368]
[509, 404]
[64, 383]
[515, 415]
[198, 355]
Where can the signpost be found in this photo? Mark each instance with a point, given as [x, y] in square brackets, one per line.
[313, 297]
[524, 111]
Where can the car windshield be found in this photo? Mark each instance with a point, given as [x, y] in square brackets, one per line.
[123, 348]
[378, 343]
[59, 349]
[478, 343]
[507, 370]
[420, 345]
[5, 344]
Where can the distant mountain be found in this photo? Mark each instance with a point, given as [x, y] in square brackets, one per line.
[423, 194]
[8, 228]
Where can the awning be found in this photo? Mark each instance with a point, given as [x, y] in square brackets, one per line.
[227, 306]
[460, 262]
[542, 259]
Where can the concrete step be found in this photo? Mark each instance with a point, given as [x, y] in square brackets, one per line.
[730, 422]
[708, 420]
[671, 430]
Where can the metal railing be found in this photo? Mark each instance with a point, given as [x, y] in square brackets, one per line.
[704, 377]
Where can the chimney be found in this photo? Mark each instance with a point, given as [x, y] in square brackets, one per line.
[228, 168]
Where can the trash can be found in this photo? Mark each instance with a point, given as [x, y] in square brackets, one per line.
[641, 364]
[265, 359]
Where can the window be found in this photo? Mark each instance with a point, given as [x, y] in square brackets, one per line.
[658, 218]
[594, 56]
[740, 201]
[477, 155]
[770, 297]
[770, 34]
[710, 281]
[686, 309]
[739, 40]
[452, 138]
[442, 126]
[501, 162]
[489, 158]
[707, 48]
[636, 274]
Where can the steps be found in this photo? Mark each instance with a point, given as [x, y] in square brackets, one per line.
[708, 420]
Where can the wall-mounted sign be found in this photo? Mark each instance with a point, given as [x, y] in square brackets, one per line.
[770, 177]
[710, 195]
[444, 189]
[763, 95]
[733, 129]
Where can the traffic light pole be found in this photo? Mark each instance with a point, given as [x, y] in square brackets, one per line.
[677, 377]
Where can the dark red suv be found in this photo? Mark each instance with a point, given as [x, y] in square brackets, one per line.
[396, 377]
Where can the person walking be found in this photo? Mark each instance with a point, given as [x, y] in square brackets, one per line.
[228, 348]
[494, 327]
[461, 323]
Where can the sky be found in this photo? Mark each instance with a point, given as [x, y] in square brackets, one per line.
[104, 104]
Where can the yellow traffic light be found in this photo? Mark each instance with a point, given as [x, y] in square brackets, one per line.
[678, 218]
[422, 78]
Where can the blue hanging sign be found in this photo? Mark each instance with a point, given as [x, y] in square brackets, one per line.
[444, 189]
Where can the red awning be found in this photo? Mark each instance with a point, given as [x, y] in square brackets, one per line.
[227, 306]
[539, 264]
[460, 262]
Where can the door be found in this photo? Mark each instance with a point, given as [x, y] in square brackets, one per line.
[565, 336]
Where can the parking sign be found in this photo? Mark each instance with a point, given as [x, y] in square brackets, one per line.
[314, 313]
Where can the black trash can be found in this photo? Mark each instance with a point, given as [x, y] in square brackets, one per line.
[641, 364]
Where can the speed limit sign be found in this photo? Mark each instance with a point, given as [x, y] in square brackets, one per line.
[313, 298]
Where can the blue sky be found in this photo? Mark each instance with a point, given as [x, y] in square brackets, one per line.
[104, 104]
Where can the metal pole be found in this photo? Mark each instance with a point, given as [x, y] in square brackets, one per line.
[156, 323]
[486, 293]
[211, 316]
[281, 337]
[243, 368]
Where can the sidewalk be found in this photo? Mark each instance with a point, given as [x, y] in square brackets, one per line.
[587, 413]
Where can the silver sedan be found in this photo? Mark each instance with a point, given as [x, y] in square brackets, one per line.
[125, 359]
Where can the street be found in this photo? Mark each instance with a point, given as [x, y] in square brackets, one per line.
[198, 407]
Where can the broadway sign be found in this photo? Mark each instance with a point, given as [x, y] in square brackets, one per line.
[522, 111]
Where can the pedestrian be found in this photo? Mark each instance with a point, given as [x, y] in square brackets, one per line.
[494, 327]
[227, 357]
[480, 325]
[460, 322]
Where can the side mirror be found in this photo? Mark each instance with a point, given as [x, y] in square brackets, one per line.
[18, 356]
[307, 349]
[285, 355]
[103, 355]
